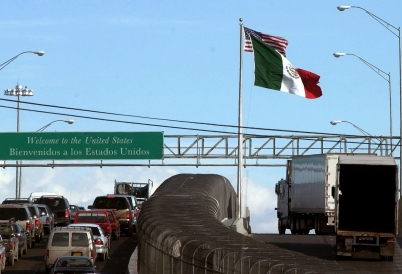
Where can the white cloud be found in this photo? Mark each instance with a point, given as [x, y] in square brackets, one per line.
[82, 184]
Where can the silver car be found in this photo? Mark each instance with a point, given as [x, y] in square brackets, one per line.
[47, 218]
[102, 242]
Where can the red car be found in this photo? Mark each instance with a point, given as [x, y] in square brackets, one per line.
[115, 223]
[105, 218]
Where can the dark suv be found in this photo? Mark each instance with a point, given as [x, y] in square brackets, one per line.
[22, 216]
[15, 201]
[121, 206]
[59, 206]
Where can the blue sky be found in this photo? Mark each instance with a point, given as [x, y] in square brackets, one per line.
[180, 60]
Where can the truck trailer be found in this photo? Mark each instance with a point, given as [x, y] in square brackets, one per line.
[353, 196]
[139, 190]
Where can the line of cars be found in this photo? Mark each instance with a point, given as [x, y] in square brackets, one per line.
[24, 222]
[107, 217]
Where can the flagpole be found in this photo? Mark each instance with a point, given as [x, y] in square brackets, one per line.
[240, 137]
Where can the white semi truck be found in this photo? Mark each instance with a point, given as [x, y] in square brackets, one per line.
[139, 190]
[353, 196]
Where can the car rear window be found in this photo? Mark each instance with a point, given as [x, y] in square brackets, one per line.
[61, 239]
[110, 202]
[79, 239]
[91, 217]
[52, 203]
[42, 210]
[33, 211]
[95, 231]
[17, 213]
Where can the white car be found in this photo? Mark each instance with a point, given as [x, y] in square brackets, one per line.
[102, 242]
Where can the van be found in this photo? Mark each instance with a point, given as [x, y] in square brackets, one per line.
[69, 241]
[36, 195]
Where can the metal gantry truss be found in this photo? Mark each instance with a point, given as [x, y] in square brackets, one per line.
[259, 150]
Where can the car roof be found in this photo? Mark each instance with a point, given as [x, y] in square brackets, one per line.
[85, 225]
[73, 257]
[13, 205]
[95, 210]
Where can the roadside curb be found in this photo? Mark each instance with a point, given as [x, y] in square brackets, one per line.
[132, 265]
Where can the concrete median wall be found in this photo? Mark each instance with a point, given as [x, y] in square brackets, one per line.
[181, 229]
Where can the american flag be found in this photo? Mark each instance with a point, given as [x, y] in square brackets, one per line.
[276, 42]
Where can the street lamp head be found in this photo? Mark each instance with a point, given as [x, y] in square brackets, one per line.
[39, 52]
[335, 122]
[339, 54]
[69, 121]
[342, 8]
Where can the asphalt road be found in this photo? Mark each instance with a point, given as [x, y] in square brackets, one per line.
[319, 254]
[120, 253]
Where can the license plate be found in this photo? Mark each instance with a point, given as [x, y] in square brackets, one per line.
[76, 253]
[349, 241]
[366, 238]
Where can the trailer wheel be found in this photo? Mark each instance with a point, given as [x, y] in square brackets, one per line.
[281, 228]
[317, 226]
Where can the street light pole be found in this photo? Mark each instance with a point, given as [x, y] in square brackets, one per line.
[335, 122]
[3, 65]
[18, 91]
[387, 26]
[46, 126]
[376, 70]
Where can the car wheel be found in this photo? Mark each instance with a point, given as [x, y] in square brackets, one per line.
[29, 241]
[33, 241]
[20, 252]
[102, 256]
[11, 260]
[130, 231]
[25, 249]
[47, 270]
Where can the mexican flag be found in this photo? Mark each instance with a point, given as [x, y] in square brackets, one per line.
[272, 70]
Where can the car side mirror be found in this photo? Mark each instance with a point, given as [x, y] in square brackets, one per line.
[90, 207]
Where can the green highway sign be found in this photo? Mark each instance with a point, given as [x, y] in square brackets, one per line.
[81, 145]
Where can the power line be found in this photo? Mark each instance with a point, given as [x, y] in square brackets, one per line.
[153, 118]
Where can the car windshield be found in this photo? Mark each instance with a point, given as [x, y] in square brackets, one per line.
[42, 210]
[110, 202]
[16, 213]
[91, 217]
[73, 262]
[53, 203]
[33, 211]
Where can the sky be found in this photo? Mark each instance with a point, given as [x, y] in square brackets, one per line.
[180, 60]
